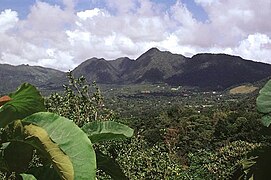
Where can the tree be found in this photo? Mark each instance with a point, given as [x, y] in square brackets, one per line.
[47, 145]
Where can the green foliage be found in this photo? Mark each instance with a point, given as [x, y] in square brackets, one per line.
[27, 177]
[106, 131]
[25, 101]
[49, 137]
[87, 110]
[110, 166]
[221, 163]
[140, 161]
[264, 103]
[55, 142]
[256, 166]
[184, 141]
[79, 102]
[245, 126]
[184, 127]
[39, 138]
[71, 139]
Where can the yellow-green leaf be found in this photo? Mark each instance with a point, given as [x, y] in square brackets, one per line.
[59, 159]
[71, 139]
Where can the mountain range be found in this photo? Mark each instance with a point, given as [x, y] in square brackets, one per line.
[205, 71]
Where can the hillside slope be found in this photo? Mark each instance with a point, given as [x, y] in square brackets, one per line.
[206, 71]
[13, 76]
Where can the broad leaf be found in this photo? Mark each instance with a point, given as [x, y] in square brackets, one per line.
[109, 166]
[266, 120]
[27, 177]
[264, 103]
[107, 130]
[41, 140]
[264, 98]
[25, 101]
[72, 141]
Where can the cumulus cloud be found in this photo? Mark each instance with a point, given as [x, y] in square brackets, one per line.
[62, 37]
[255, 46]
[8, 20]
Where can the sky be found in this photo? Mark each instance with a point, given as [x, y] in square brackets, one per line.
[61, 34]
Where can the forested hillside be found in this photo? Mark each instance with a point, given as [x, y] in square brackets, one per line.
[180, 133]
[204, 71]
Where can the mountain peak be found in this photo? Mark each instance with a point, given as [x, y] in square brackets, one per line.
[205, 70]
[149, 53]
[152, 50]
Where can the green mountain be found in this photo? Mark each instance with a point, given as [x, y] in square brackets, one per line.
[13, 76]
[156, 66]
[153, 66]
[220, 71]
[205, 71]
[98, 70]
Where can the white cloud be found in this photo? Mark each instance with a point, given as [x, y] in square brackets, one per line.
[29, 40]
[62, 37]
[8, 20]
[256, 46]
[88, 14]
[61, 60]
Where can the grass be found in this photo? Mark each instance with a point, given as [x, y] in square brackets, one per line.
[244, 89]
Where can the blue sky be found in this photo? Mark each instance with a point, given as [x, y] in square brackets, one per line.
[63, 33]
[23, 6]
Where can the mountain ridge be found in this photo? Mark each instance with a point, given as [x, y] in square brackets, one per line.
[13, 76]
[204, 70]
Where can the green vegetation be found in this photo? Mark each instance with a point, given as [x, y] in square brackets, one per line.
[179, 133]
[47, 145]
[256, 165]
[203, 135]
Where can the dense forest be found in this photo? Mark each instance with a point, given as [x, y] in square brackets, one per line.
[179, 133]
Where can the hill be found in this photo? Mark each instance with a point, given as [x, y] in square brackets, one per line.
[205, 71]
[220, 71]
[13, 76]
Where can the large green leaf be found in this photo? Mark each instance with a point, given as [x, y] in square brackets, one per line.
[40, 139]
[25, 101]
[264, 98]
[264, 103]
[107, 130]
[72, 141]
[109, 166]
